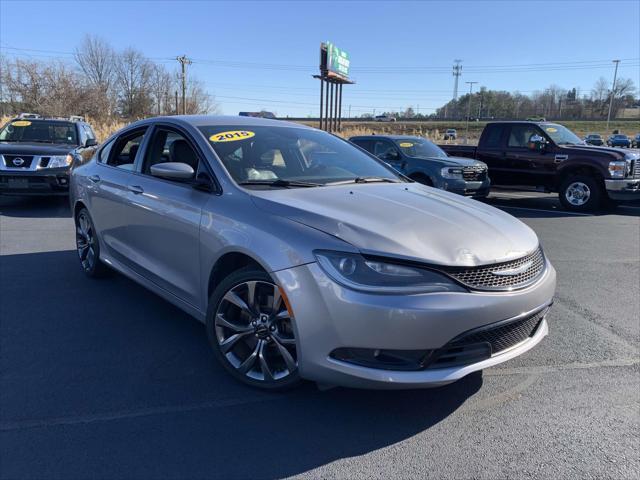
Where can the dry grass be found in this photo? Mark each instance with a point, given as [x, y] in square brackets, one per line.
[432, 130]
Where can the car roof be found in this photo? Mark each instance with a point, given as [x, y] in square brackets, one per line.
[219, 120]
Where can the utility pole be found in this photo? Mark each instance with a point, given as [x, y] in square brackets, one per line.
[349, 111]
[184, 61]
[466, 135]
[613, 92]
[457, 71]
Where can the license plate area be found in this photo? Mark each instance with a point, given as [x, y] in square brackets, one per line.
[18, 183]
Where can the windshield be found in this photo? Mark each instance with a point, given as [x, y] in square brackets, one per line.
[39, 131]
[620, 137]
[282, 156]
[561, 135]
[419, 147]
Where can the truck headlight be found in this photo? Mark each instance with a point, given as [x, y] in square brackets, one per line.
[617, 169]
[354, 271]
[452, 172]
[58, 161]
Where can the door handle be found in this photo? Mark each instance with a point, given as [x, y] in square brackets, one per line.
[94, 178]
[137, 189]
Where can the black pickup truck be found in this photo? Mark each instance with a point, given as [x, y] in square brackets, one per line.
[550, 156]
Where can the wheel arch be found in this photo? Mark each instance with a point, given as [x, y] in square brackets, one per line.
[579, 169]
[226, 264]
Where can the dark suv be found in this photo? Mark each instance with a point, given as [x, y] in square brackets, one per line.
[37, 154]
[426, 163]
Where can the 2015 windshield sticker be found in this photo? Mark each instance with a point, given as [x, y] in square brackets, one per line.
[551, 129]
[21, 123]
[231, 136]
[406, 144]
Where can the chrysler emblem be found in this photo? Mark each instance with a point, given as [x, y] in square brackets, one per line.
[18, 161]
[514, 271]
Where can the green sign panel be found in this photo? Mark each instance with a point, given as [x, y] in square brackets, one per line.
[337, 60]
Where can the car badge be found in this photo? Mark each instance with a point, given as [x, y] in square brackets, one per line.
[18, 161]
[514, 271]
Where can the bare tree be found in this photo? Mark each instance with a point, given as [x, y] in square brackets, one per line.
[95, 57]
[133, 78]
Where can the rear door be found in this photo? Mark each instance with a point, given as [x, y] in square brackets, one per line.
[110, 196]
[164, 216]
[492, 151]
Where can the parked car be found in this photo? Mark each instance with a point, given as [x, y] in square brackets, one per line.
[308, 258]
[426, 163]
[261, 114]
[619, 140]
[550, 156]
[385, 118]
[450, 134]
[635, 142]
[536, 119]
[37, 154]
[594, 139]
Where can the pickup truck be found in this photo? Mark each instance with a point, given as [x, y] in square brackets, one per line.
[551, 157]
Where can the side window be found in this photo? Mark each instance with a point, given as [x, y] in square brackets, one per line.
[384, 149]
[88, 132]
[492, 136]
[363, 143]
[122, 153]
[520, 135]
[103, 156]
[169, 146]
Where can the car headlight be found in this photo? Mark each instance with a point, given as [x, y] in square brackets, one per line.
[617, 169]
[452, 172]
[58, 161]
[354, 271]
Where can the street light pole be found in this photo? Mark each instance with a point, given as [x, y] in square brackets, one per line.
[466, 135]
[613, 92]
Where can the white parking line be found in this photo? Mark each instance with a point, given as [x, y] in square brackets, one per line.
[557, 212]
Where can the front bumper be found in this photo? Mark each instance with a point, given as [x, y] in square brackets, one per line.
[476, 189]
[329, 317]
[623, 189]
[51, 181]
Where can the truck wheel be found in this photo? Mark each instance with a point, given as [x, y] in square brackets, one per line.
[580, 193]
[423, 179]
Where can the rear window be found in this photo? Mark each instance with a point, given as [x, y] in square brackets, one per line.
[39, 131]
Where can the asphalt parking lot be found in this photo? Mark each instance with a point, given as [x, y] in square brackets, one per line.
[102, 379]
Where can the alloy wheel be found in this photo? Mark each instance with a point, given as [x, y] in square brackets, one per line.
[85, 241]
[254, 331]
[577, 193]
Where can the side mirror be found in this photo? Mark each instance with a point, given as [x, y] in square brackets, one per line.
[91, 142]
[390, 155]
[173, 171]
[537, 143]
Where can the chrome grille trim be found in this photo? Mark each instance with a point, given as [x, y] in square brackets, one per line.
[484, 277]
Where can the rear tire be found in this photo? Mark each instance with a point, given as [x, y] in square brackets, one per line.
[580, 193]
[88, 246]
[251, 331]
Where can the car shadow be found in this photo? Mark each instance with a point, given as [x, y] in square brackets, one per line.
[35, 207]
[108, 374]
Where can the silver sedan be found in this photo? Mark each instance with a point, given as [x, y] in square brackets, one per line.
[308, 258]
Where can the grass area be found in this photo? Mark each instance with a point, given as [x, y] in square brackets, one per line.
[431, 130]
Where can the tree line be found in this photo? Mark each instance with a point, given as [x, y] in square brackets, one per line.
[99, 82]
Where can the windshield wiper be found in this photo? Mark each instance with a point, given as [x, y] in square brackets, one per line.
[365, 180]
[281, 183]
[38, 141]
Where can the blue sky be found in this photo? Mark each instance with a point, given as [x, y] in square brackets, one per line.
[575, 39]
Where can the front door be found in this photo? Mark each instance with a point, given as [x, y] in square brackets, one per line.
[526, 166]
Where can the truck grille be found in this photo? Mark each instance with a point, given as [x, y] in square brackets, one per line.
[500, 276]
[635, 169]
[481, 343]
[10, 161]
[474, 173]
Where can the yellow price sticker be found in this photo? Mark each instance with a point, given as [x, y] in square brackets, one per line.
[406, 144]
[552, 130]
[21, 123]
[231, 136]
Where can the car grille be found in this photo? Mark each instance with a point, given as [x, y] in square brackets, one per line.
[482, 343]
[9, 161]
[474, 173]
[635, 169]
[497, 276]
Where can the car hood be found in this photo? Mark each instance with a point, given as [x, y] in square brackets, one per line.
[451, 161]
[604, 151]
[26, 148]
[405, 220]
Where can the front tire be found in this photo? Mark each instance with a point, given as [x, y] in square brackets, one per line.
[251, 331]
[580, 193]
[88, 247]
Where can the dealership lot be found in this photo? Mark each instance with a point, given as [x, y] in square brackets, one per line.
[104, 379]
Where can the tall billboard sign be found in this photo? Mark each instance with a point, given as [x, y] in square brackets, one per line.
[334, 61]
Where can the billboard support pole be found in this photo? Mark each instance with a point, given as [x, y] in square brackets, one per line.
[321, 100]
[333, 73]
[340, 109]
